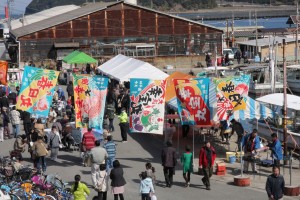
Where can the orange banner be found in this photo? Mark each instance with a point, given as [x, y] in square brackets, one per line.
[3, 72]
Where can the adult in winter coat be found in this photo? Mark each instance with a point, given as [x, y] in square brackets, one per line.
[168, 158]
[15, 121]
[250, 145]
[117, 181]
[206, 162]
[40, 150]
[53, 143]
[275, 185]
[6, 121]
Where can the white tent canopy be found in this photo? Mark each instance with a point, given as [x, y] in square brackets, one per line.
[122, 68]
[293, 101]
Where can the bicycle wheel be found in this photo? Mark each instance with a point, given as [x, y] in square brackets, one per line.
[14, 197]
[49, 197]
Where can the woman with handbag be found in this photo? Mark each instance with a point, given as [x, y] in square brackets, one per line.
[102, 183]
[40, 150]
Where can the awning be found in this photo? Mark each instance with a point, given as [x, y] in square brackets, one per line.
[79, 58]
[123, 68]
[66, 45]
[293, 101]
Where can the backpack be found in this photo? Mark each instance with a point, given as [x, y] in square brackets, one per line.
[1, 120]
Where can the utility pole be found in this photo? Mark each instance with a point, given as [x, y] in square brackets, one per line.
[249, 17]
[297, 32]
[9, 14]
[256, 34]
[284, 103]
[232, 29]
[227, 39]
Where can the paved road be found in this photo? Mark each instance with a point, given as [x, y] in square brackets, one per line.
[133, 155]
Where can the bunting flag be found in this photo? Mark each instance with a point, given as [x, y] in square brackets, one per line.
[193, 100]
[3, 72]
[37, 91]
[231, 93]
[147, 105]
[90, 96]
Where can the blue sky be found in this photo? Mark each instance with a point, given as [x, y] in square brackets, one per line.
[18, 6]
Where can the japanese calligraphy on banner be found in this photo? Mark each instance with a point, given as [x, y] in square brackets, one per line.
[147, 105]
[37, 91]
[90, 96]
[3, 72]
[230, 95]
[193, 99]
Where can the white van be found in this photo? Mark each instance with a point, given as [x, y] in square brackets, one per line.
[230, 53]
[6, 33]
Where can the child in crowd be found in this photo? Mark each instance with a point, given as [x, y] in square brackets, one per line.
[151, 172]
[146, 186]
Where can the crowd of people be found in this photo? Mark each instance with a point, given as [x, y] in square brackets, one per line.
[101, 156]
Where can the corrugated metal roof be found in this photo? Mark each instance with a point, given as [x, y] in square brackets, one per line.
[45, 14]
[52, 21]
[265, 41]
[88, 9]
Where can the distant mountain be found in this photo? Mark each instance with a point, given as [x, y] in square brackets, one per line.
[163, 5]
[178, 5]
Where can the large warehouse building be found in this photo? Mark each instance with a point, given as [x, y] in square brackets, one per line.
[108, 29]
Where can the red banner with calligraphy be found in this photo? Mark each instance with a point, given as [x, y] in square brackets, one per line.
[192, 99]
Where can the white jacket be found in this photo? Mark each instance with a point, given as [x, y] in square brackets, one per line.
[102, 181]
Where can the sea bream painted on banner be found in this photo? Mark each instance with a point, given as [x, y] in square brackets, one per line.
[193, 99]
[37, 91]
[147, 105]
[230, 95]
[90, 96]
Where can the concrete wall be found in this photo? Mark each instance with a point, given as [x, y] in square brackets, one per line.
[176, 62]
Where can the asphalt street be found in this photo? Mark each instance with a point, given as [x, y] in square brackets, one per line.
[142, 148]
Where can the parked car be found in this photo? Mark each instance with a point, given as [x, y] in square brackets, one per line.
[230, 53]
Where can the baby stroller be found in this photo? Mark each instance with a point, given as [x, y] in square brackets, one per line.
[75, 138]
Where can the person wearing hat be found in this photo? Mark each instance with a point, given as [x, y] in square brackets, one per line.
[168, 159]
[207, 158]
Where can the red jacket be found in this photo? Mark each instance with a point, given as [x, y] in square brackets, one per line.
[203, 159]
[88, 140]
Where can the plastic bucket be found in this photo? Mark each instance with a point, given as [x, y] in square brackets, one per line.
[232, 159]
[228, 154]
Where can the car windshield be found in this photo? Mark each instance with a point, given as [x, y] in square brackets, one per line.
[227, 51]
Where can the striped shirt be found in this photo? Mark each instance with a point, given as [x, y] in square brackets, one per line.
[110, 149]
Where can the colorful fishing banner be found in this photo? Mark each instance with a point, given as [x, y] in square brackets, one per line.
[193, 99]
[231, 93]
[37, 91]
[3, 72]
[147, 105]
[90, 96]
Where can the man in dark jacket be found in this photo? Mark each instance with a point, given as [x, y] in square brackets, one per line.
[168, 158]
[4, 102]
[238, 128]
[70, 91]
[207, 158]
[26, 122]
[275, 185]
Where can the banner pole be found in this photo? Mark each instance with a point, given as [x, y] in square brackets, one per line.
[178, 137]
[193, 143]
